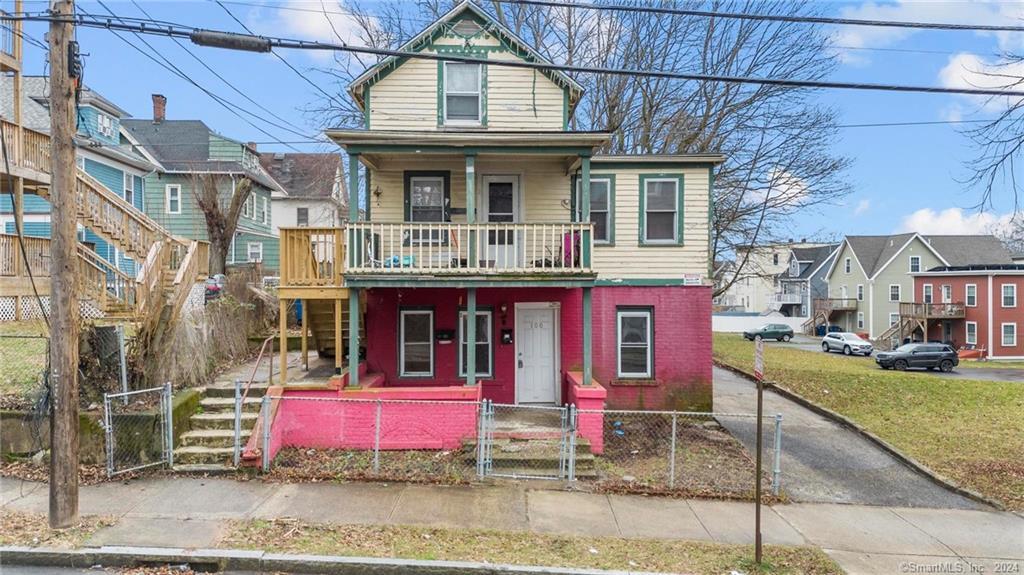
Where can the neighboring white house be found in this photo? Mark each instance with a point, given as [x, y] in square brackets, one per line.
[756, 289]
[314, 189]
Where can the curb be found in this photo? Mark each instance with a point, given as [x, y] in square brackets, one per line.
[260, 561]
[842, 420]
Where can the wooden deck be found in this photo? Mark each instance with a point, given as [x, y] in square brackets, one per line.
[949, 310]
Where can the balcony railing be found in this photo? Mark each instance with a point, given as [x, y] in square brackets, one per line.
[32, 152]
[787, 298]
[835, 304]
[469, 249]
[311, 257]
[947, 310]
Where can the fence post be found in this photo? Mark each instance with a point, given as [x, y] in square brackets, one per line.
[480, 439]
[672, 455]
[169, 423]
[265, 417]
[124, 365]
[777, 467]
[376, 440]
[108, 425]
[572, 443]
[238, 423]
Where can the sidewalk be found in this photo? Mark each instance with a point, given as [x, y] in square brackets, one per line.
[192, 513]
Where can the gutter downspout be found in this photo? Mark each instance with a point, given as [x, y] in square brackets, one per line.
[991, 304]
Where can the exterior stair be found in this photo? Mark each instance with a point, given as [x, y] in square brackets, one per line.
[321, 323]
[208, 446]
[534, 457]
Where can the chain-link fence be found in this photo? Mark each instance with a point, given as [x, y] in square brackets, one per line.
[23, 360]
[685, 453]
[139, 429]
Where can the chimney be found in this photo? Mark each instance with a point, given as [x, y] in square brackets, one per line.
[251, 145]
[159, 108]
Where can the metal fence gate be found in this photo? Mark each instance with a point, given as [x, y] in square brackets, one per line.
[139, 429]
[526, 441]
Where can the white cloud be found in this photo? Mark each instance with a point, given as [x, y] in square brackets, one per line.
[862, 207]
[972, 71]
[954, 221]
[305, 20]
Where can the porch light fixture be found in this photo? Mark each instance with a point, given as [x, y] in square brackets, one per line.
[504, 313]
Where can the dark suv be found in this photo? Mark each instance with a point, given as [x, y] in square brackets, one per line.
[919, 355]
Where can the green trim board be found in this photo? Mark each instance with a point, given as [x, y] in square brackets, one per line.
[366, 107]
[647, 164]
[475, 149]
[677, 240]
[574, 203]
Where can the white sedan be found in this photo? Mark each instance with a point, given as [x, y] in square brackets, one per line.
[848, 343]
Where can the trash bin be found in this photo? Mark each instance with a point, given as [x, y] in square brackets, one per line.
[820, 331]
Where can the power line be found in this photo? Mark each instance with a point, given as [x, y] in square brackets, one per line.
[196, 34]
[773, 17]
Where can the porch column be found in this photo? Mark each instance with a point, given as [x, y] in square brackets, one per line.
[354, 244]
[282, 319]
[585, 211]
[471, 209]
[588, 343]
[305, 331]
[339, 320]
[353, 337]
[471, 336]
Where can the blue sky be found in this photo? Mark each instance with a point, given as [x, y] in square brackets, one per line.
[903, 177]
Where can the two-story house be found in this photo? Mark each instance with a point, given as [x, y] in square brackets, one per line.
[499, 250]
[871, 275]
[753, 279]
[804, 279]
[101, 150]
[312, 189]
[183, 151]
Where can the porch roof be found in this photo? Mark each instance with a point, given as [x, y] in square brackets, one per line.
[468, 141]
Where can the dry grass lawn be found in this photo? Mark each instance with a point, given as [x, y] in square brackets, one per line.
[27, 529]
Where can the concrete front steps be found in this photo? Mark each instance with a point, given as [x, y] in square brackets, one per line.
[208, 446]
[535, 457]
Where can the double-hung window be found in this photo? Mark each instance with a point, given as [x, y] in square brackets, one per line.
[635, 340]
[972, 333]
[847, 265]
[105, 124]
[254, 252]
[926, 293]
[266, 211]
[915, 264]
[462, 93]
[1009, 335]
[129, 188]
[1009, 295]
[601, 208]
[247, 208]
[427, 202]
[947, 293]
[860, 320]
[172, 195]
[416, 343]
[971, 297]
[302, 217]
[482, 349]
[894, 292]
[660, 200]
[860, 292]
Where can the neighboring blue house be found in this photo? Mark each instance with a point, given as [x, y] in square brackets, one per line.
[103, 151]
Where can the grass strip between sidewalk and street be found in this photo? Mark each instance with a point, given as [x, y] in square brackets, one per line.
[33, 530]
[969, 431]
[520, 548]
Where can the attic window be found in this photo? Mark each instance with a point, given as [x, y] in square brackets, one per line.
[466, 28]
[462, 93]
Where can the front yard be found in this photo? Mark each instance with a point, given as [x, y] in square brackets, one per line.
[969, 431]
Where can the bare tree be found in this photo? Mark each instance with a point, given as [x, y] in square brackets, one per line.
[221, 210]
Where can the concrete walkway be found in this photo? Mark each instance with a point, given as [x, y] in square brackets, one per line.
[192, 513]
[823, 462]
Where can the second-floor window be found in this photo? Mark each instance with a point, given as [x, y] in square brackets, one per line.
[915, 264]
[947, 293]
[847, 266]
[660, 217]
[1009, 295]
[794, 268]
[462, 93]
[266, 212]
[172, 194]
[601, 208]
[972, 295]
[247, 208]
[926, 293]
[105, 125]
[894, 292]
[302, 217]
[860, 292]
[129, 188]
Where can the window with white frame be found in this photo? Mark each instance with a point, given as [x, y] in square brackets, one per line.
[129, 188]
[635, 345]
[252, 209]
[847, 265]
[971, 295]
[915, 264]
[247, 208]
[266, 211]
[1009, 295]
[600, 207]
[926, 293]
[105, 125]
[947, 293]
[860, 320]
[860, 292]
[971, 335]
[416, 343]
[483, 345]
[172, 195]
[302, 217]
[661, 208]
[254, 252]
[794, 268]
[894, 318]
[1009, 334]
[462, 89]
[894, 292]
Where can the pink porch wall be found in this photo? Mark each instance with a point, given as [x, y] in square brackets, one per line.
[682, 326]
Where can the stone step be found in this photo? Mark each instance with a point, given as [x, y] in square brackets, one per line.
[227, 389]
[222, 420]
[204, 468]
[203, 455]
[216, 404]
[214, 437]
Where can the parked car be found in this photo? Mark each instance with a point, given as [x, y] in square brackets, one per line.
[779, 331]
[919, 355]
[214, 286]
[848, 343]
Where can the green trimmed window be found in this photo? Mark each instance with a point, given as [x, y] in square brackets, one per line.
[463, 93]
[661, 209]
[483, 347]
[602, 207]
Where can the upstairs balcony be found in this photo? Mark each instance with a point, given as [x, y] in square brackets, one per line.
[787, 298]
[28, 156]
[835, 304]
[948, 310]
[10, 45]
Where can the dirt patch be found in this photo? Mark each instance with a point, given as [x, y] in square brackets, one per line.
[32, 530]
[440, 467]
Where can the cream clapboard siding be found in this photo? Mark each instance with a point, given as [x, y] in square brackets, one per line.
[517, 98]
[627, 259]
[546, 197]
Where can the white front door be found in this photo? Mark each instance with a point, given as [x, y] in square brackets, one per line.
[536, 354]
[500, 203]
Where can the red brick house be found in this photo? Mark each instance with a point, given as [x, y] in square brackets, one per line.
[978, 306]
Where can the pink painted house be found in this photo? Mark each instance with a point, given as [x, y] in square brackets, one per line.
[586, 274]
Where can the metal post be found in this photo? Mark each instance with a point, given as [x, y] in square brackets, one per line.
[265, 416]
[108, 425]
[376, 440]
[572, 443]
[470, 336]
[238, 422]
[124, 366]
[672, 455]
[777, 468]
[169, 423]
[481, 415]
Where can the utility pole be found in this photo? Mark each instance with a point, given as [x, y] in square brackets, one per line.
[64, 314]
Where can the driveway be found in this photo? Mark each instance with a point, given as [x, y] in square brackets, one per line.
[823, 462]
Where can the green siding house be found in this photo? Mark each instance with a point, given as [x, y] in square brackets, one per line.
[184, 149]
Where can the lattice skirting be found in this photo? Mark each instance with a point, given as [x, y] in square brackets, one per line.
[30, 308]
[196, 299]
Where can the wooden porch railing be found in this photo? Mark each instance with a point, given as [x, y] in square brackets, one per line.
[32, 152]
[949, 310]
[835, 304]
[12, 262]
[445, 248]
[312, 256]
